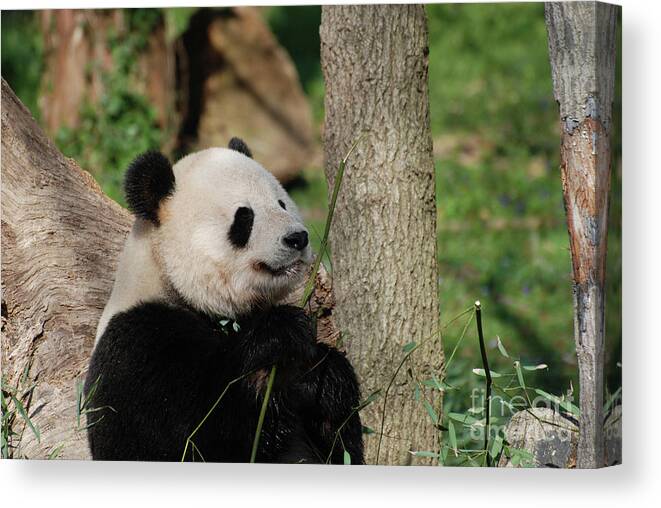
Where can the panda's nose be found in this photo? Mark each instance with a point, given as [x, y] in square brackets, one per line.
[297, 240]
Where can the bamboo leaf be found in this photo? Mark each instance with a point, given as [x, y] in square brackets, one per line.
[519, 375]
[496, 446]
[452, 434]
[501, 347]
[407, 348]
[432, 455]
[541, 366]
[563, 403]
[55, 452]
[430, 411]
[462, 418]
[24, 415]
[444, 455]
[482, 373]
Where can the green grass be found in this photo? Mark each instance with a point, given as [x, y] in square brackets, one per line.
[15, 419]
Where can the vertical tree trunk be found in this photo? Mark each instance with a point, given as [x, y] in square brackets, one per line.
[77, 54]
[582, 38]
[383, 241]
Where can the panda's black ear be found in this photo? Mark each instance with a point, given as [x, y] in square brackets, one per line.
[238, 145]
[149, 179]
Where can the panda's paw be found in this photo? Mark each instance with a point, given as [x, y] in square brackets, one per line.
[280, 335]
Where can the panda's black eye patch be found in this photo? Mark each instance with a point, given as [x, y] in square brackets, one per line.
[239, 232]
[282, 204]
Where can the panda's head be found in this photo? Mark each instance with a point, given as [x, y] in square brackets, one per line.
[224, 234]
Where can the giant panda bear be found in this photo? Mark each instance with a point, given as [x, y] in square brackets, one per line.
[215, 238]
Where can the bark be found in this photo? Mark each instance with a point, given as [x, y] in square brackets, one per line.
[225, 76]
[61, 237]
[582, 37]
[77, 54]
[383, 240]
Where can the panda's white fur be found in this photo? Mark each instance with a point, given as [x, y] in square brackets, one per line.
[190, 252]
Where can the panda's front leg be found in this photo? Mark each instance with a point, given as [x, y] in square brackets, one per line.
[329, 394]
[282, 336]
[313, 381]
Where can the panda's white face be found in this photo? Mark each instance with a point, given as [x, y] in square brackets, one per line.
[229, 237]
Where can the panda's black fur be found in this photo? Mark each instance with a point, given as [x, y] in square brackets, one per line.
[239, 232]
[159, 367]
[240, 146]
[149, 179]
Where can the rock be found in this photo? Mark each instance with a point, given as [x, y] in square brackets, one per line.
[552, 437]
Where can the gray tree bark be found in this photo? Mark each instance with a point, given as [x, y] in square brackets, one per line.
[383, 240]
[582, 38]
[60, 240]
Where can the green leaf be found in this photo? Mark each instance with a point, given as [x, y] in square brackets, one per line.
[436, 384]
[519, 375]
[541, 366]
[371, 398]
[444, 455]
[496, 446]
[521, 457]
[407, 348]
[430, 411]
[563, 403]
[462, 418]
[347, 458]
[24, 415]
[612, 399]
[55, 452]
[453, 436]
[432, 455]
[501, 347]
[367, 431]
[481, 373]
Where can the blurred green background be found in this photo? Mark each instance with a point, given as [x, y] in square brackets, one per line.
[502, 236]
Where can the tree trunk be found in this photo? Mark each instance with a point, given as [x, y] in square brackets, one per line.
[225, 76]
[61, 237]
[77, 55]
[582, 37]
[383, 241]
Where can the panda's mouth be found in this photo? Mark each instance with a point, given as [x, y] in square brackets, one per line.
[282, 271]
